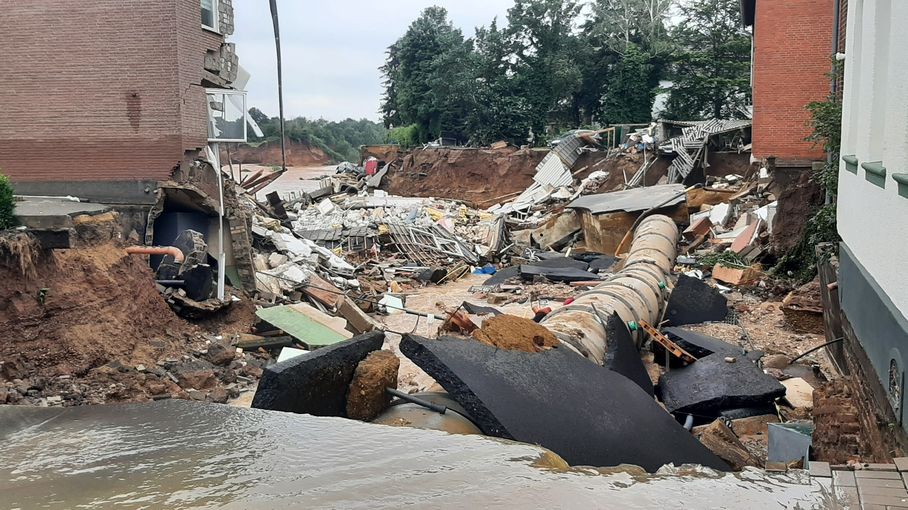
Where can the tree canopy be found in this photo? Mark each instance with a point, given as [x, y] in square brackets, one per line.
[554, 65]
[340, 140]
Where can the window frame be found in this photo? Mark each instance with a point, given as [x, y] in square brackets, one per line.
[244, 111]
[214, 10]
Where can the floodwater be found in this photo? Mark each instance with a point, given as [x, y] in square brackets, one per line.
[178, 454]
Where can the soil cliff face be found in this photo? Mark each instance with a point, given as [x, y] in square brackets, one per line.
[473, 175]
[269, 153]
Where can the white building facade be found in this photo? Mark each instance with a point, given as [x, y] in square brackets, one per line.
[873, 191]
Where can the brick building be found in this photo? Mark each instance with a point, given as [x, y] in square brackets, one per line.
[792, 56]
[104, 98]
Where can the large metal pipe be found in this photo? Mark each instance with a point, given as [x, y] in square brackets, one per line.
[156, 250]
[637, 292]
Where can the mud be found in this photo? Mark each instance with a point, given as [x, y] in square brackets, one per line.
[515, 334]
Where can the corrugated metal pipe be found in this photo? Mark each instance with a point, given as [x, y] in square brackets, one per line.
[637, 292]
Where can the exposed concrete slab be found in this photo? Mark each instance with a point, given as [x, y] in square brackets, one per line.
[693, 301]
[711, 384]
[315, 383]
[49, 213]
[586, 414]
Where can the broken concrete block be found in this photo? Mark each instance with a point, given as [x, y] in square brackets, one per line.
[736, 275]
[367, 397]
[710, 385]
[722, 441]
[746, 238]
[699, 228]
[276, 260]
[358, 319]
[585, 413]
[260, 262]
[693, 301]
[315, 383]
[798, 393]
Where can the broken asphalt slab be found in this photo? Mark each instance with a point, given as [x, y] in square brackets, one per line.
[693, 301]
[557, 274]
[558, 399]
[701, 346]
[712, 384]
[622, 355]
[315, 383]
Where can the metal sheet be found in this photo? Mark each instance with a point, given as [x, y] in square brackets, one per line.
[638, 199]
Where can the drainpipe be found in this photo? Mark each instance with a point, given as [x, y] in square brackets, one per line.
[636, 293]
[222, 258]
[157, 250]
[834, 86]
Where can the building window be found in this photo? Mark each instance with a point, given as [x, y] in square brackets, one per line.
[210, 14]
[226, 115]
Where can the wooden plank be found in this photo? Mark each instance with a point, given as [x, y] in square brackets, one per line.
[664, 341]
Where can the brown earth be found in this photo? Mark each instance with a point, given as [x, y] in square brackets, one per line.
[473, 175]
[367, 397]
[91, 327]
[269, 153]
[515, 334]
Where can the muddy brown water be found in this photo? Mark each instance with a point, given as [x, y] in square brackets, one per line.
[177, 454]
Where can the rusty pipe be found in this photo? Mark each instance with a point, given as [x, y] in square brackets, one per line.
[156, 250]
[638, 292]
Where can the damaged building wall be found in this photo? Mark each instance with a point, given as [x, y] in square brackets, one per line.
[792, 39]
[102, 113]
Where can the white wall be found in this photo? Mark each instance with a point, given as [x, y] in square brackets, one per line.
[873, 221]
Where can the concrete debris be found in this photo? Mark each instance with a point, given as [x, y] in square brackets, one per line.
[726, 445]
[693, 301]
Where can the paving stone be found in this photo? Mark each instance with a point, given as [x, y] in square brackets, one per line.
[848, 497]
[881, 491]
[901, 463]
[585, 413]
[879, 467]
[820, 469]
[890, 501]
[844, 479]
[877, 482]
[886, 475]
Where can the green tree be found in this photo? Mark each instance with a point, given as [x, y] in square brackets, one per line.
[417, 87]
[712, 63]
[632, 48]
[543, 51]
[7, 204]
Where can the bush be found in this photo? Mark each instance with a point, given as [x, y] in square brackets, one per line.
[405, 136]
[7, 220]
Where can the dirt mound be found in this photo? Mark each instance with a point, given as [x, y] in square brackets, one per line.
[478, 176]
[367, 397]
[269, 153]
[91, 327]
[515, 334]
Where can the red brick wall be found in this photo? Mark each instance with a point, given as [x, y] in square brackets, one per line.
[100, 89]
[792, 57]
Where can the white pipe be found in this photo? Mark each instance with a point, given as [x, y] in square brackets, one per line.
[222, 258]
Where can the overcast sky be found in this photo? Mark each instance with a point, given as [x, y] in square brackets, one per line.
[332, 50]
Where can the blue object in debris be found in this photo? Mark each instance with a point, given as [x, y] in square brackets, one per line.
[486, 269]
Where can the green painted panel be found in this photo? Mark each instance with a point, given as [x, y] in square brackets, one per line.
[302, 325]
